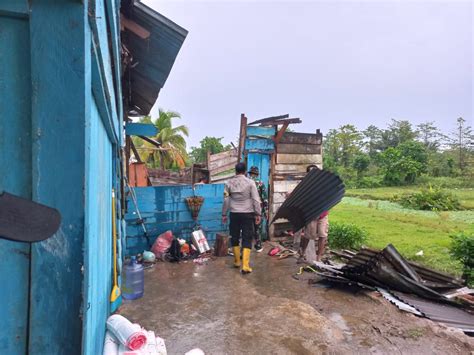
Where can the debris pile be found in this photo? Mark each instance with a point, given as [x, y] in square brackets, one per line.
[411, 287]
[124, 338]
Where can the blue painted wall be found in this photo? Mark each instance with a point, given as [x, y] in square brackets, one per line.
[98, 233]
[15, 131]
[60, 127]
[164, 208]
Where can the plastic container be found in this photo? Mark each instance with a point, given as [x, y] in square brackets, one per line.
[133, 280]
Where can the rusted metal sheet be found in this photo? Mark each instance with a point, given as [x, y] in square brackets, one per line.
[299, 159]
[318, 192]
[294, 148]
[138, 175]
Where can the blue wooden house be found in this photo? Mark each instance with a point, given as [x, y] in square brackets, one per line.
[71, 72]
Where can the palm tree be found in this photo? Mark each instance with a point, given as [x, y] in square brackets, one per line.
[172, 153]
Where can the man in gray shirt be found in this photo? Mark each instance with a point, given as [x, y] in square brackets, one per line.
[243, 202]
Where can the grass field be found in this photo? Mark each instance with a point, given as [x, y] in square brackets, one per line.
[408, 230]
[465, 195]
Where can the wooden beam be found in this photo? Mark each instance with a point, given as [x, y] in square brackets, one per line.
[135, 151]
[151, 141]
[281, 132]
[243, 133]
[133, 27]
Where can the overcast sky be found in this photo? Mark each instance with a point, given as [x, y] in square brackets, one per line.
[327, 62]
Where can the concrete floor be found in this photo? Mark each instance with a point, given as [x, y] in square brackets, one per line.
[214, 308]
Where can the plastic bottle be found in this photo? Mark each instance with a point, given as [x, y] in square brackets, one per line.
[133, 284]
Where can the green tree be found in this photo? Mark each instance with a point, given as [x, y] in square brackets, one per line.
[208, 144]
[462, 141]
[373, 138]
[172, 153]
[360, 163]
[430, 135]
[398, 132]
[402, 164]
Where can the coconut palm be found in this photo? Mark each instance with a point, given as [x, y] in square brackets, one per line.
[172, 153]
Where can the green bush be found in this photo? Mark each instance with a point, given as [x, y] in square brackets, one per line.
[462, 248]
[445, 181]
[431, 199]
[370, 182]
[346, 236]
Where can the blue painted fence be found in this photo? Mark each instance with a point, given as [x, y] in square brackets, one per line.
[164, 208]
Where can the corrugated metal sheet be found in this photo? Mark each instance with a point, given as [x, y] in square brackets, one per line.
[319, 191]
[442, 313]
[154, 56]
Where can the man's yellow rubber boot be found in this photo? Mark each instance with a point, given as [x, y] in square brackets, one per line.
[236, 256]
[246, 261]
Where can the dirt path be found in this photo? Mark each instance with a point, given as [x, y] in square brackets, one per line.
[216, 309]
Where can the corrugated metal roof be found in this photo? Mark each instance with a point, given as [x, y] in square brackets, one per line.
[154, 57]
[319, 191]
[442, 313]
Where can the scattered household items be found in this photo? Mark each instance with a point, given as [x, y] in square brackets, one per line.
[130, 335]
[23, 220]
[133, 280]
[162, 244]
[194, 204]
[149, 257]
[281, 251]
[116, 294]
[221, 246]
[199, 241]
[319, 191]
[140, 219]
[124, 338]
[411, 287]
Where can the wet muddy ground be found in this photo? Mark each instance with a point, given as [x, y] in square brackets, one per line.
[214, 308]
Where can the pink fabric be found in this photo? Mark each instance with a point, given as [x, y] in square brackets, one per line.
[324, 214]
[162, 244]
[136, 340]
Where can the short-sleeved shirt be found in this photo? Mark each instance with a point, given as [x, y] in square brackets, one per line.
[241, 196]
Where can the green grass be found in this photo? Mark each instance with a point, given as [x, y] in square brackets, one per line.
[465, 195]
[408, 230]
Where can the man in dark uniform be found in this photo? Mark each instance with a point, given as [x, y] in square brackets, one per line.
[262, 192]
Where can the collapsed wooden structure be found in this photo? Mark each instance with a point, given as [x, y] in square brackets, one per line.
[281, 156]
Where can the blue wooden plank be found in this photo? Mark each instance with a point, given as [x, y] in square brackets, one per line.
[60, 73]
[15, 160]
[98, 233]
[163, 208]
[260, 131]
[17, 8]
[141, 129]
[259, 144]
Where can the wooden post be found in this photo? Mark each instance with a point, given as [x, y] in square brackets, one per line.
[243, 133]
[221, 246]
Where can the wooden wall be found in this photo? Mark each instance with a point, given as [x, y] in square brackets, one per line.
[220, 163]
[294, 153]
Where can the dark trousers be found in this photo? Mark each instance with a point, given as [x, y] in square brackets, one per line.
[242, 224]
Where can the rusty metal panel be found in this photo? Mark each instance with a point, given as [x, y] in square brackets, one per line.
[138, 174]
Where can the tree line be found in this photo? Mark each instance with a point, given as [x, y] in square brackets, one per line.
[400, 153]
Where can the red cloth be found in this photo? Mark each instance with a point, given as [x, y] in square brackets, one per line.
[136, 341]
[324, 214]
